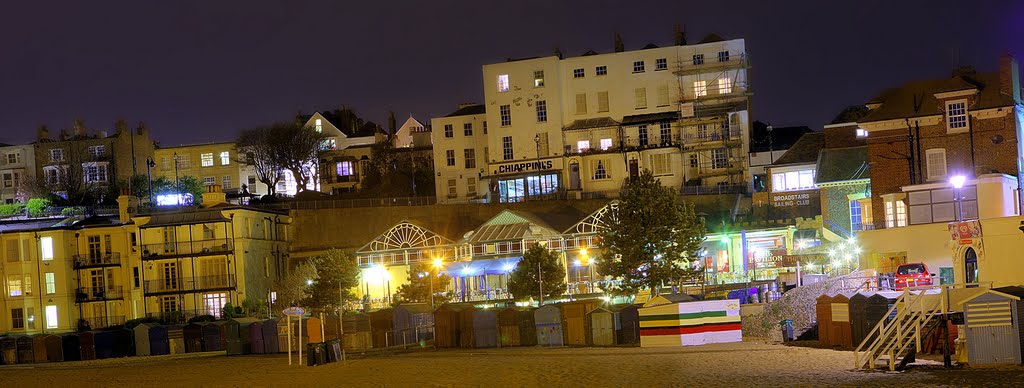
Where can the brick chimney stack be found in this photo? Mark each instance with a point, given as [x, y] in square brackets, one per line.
[1009, 77]
[213, 196]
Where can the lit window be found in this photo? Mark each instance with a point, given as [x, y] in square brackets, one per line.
[901, 214]
[723, 56]
[606, 144]
[225, 158]
[345, 168]
[724, 85]
[46, 247]
[600, 172]
[542, 111]
[638, 66]
[452, 188]
[862, 133]
[502, 83]
[538, 78]
[51, 317]
[471, 187]
[318, 125]
[956, 115]
[51, 283]
[856, 222]
[505, 114]
[94, 172]
[577, 73]
[660, 164]
[14, 285]
[449, 157]
[793, 180]
[665, 132]
[225, 181]
[97, 151]
[583, 145]
[449, 130]
[661, 64]
[506, 148]
[601, 70]
[640, 98]
[700, 88]
[206, 160]
[698, 59]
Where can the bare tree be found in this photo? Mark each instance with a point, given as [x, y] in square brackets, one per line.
[257, 149]
[298, 149]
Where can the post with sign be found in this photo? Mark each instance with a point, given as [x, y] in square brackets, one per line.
[289, 313]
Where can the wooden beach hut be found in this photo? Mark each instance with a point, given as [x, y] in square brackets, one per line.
[993, 326]
[508, 326]
[629, 320]
[69, 345]
[382, 325]
[176, 339]
[238, 335]
[124, 344]
[574, 320]
[548, 322]
[689, 323]
[485, 328]
[193, 337]
[87, 345]
[54, 348]
[823, 314]
[25, 350]
[39, 348]
[840, 333]
[413, 322]
[448, 325]
[159, 343]
[270, 339]
[356, 331]
[141, 333]
[104, 344]
[467, 336]
[256, 344]
[604, 325]
[8, 350]
[527, 327]
[212, 340]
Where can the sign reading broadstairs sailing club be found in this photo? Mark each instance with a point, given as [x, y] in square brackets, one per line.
[526, 166]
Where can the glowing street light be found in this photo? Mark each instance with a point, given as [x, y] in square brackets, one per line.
[958, 183]
[309, 282]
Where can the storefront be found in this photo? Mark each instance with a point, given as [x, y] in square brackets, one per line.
[521, 181]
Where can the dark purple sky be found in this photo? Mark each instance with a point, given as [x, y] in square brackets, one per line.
[198, 71]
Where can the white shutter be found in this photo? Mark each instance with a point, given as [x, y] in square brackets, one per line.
[936, 160]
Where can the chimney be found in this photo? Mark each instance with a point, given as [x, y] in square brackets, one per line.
[214, 196]
[127, 206]
[120, 126]
[1009, 77]
[558, 52]
[680, 35]
[141, 129]
[42, 133]
[79, 128]
[64, 134]
[619, 46]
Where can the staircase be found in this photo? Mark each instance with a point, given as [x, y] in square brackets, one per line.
[896, 341]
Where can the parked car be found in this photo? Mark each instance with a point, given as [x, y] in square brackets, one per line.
[912, 275]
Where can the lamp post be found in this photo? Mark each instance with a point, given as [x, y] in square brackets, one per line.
[149, 176]
[958, 183]
[177, 188]
[438, 264]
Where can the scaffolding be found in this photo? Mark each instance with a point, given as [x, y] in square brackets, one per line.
[711, 132]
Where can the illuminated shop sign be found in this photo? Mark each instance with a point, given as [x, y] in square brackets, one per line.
[522, 167]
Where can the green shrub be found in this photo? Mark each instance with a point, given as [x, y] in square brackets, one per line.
[11, 209]
[202, 318]
[37, 206]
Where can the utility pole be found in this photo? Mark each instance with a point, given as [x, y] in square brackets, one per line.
[540, 285]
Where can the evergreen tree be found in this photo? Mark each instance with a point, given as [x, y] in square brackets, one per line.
[336, 275]
[653, 239]
[523, 281]
[418, 286]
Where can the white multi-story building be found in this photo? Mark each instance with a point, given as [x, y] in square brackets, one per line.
[580, 127]
[17, 164]
[460, 154]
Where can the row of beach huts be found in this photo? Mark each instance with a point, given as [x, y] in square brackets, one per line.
[670, 320]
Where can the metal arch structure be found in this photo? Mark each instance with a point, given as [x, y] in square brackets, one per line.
[405, 235]
[597, 220]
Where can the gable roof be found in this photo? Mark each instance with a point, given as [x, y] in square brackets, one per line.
[511, 225]
[474, 109]
[842, 164]
[917, 98]
[804, 151]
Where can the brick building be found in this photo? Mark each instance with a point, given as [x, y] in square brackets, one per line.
[923, 132]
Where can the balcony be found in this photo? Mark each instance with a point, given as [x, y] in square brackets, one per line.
[712, 64]
[112, 259]
[343, 179]
[712, 139]
[98, 294]
[189, 284]
[93, 323]
[167, 250]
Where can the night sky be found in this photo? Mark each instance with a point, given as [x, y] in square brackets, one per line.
[198, 71]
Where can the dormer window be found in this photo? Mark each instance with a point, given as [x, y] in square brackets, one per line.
[956, 116]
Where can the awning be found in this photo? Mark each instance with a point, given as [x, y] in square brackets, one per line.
[482, 267]
[184, 218]
[650, 118]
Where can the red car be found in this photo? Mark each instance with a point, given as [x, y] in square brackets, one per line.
[912, 275]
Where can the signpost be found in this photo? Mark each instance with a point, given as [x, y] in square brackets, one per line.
[295, 311]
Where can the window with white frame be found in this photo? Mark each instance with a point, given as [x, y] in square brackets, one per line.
[665, 132]
[606, 144]
[856, 220]
[57, 155]
[642, 134]
[582, 145]
[471, 186]
[661, 64]
[206, 159]
[209, 180]
[538, 78]
[318, 125]
[97, 151]
[698, 59]
[693, 160]
[601, 70]
[640, 98]
[602, 101]
[723, 56]
[956, 115]
[862, 133]
[502, 83]
[18, 318]
[13, 158]
[901, 213]
[700, 88]
[581, 103]
[13, 285]
[51, 317]
[449, 156]
[8, 179]
[449, 131]
[542, 111]
[453, 189]
[505, 113]
[895, 212]
[793, 180]
[638, 66]
[469, 155]
[467, 129]
[660, 164]
[506, 148]
[577, 73]
[225, 158]
[94, 172]
[702, 131]
[225, 181]
[46, 248]
[50, 283]
[936, 161]
[724, 85]
[599, 171]
[719, 158]
[345, 168]
[184, 161]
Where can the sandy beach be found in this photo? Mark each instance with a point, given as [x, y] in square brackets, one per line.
[749, 363]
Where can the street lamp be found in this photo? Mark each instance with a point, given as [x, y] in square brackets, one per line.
[149, 176]
[177, 188]
[438, 264]
[958, 183]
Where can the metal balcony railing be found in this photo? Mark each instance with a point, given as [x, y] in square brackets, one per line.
[92, 261]
[93, 323]
[189, 284]
[186, 248]
[98, 294]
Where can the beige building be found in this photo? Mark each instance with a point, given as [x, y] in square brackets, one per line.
[460, 155]
[17, 164]
[580, 126]
[212, 163]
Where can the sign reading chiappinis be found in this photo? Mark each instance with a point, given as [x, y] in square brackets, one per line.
[530, 166]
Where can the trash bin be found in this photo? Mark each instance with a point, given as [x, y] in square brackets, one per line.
[787, 330]
[315, 354]
[333, 348]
